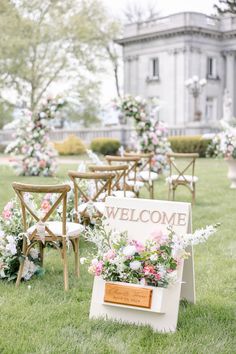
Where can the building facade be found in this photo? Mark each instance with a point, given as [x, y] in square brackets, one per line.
[160, 55]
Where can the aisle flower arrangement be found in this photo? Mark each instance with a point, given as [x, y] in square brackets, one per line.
[152, 263]
[223, 145]
[151, 133]
[32, 141]
[11, 236]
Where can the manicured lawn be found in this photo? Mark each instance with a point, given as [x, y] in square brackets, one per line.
[45, 319]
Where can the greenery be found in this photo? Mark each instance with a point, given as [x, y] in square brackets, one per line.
[70, 146]
[207, 327]
[191, 144]
[226, 6]
[105, 146]
[46, 43]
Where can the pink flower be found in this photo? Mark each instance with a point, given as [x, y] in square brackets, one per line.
[45, 206]
[109, 255]
[6, 214]
[139, 246]
[42, 163]
[148, 270]
[99, 266]
[157, 276]
[159, 238]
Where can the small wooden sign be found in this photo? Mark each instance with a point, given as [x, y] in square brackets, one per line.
[128, 295]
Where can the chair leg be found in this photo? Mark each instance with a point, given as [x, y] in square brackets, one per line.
[173, 194]
[21, 268]
[65, 264]
[169, 192]
[193, 195]
[41, 252]
[77, 265]
[152, 190]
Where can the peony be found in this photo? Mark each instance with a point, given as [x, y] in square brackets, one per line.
[129, 251]
[135, 265]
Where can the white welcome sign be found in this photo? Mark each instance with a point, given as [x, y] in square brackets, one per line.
[140, 217]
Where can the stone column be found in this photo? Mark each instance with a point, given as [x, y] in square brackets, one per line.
[230, 75]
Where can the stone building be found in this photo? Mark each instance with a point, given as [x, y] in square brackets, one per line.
[160, 55]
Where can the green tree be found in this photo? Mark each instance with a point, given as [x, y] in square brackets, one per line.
[226, 6]
[48, 42]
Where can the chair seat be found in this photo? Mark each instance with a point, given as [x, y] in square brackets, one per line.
[186, 179]
[120, 194]
[146, 175]
[72, 229]
[137, 184]
[98, 206]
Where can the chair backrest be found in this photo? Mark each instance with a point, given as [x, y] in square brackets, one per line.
[145, 160]
[60, 192]
[189, 165]
[119, 181]
[131, 161]
[102, 183]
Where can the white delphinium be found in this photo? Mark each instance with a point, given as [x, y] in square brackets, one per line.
[181, 242]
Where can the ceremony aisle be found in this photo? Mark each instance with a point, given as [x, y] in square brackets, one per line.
[39, 317]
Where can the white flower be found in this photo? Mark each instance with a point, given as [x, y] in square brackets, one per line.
[129, 251]
[82, 260]
[11, 246]
[29, 269]
[94, 262]
[34, 253]
[153, 257]
[42, 115]
[172, 277]
[135, 265]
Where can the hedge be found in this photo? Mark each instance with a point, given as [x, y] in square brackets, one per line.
[185, 144]
[105, 146]
[70, 146]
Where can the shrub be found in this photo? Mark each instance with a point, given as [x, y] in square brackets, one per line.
[185, 144]
[105, 146]
[70, 146]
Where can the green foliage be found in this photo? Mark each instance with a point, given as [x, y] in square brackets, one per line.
[47, 41]
[191, 144]
[70, 146]
[105, 146]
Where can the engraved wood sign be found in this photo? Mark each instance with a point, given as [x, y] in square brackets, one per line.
[128, 295]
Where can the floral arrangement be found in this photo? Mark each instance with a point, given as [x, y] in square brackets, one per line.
[32, 141]
[11, 237]
[151, 133]
[223, 145]
[151, 263]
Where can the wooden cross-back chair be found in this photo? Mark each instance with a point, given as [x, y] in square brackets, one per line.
[132, 183]
[118, 187]
[145, 173]
[178, 176]
[102, 183]
[43, 229]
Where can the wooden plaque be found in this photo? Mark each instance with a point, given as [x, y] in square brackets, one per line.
[128, 295]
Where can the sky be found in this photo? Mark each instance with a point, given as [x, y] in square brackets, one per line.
[165, 7]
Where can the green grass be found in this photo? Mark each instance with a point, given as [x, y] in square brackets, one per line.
[44, 319]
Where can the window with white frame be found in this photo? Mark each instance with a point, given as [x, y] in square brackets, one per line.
[154, 68]
[211, 67]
